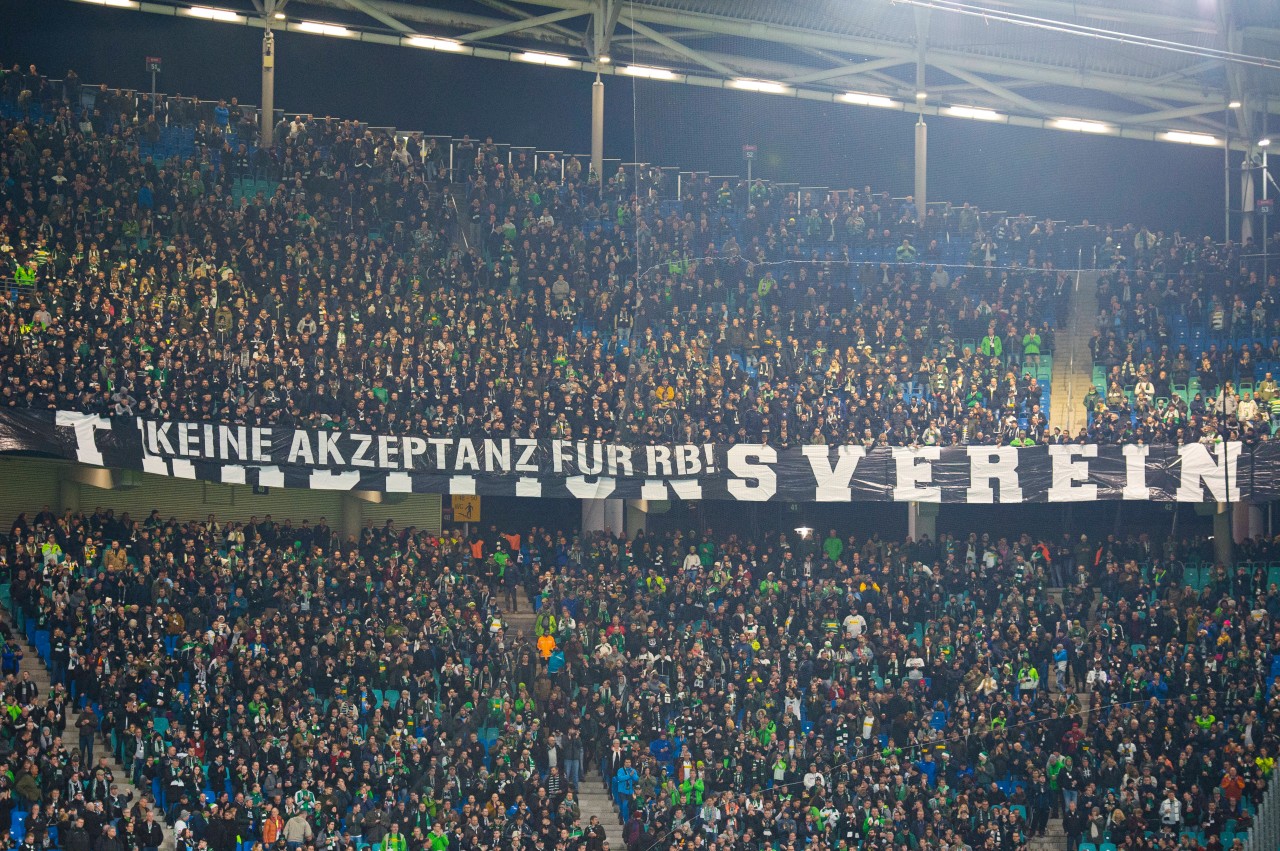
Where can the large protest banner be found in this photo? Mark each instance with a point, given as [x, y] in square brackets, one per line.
[348, 460]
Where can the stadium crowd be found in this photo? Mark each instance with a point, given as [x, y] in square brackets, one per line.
[273, 684]
[373, 286]
[1188, 341]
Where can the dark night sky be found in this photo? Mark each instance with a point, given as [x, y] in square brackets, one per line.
[1065, 175]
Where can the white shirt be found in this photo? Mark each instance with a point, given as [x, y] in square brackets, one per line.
[854, 625]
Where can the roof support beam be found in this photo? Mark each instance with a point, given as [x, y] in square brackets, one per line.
[1068, 11]
[1186, 73]
[452, 20]
[849, 70]
[604, 21]
[890, 85]
[379, 15]
[518, 26]
[770, 70]
[673, 45]
[1168, 114]
[978, 64]
[994, 88]
[1235, 74]
[507, 8]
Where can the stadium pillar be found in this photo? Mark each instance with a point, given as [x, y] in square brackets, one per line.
[350, 516]
[1222, 534]
[1248, 199]
[922, 132]
[922, 171]
[268, 110]
[597, 131]
[601, 514]
[68, 493]
[1246, 521]
[637, 517]
[922, 519]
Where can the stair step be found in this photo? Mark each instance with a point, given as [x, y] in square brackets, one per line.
[34, 666]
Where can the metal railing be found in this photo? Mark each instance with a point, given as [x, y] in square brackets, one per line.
[1265, 833]
[177, 110]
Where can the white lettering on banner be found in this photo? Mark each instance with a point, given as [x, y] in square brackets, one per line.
[688, 460]
[993, 462]
[528, 448]
[655, 490]
[160, 444]
[754, 480]
[329, 480]
[1200, 469]
[686, 489]
[260, 438]
[1067, 471]
[750, 472]
[463, 485]
[600, 488]
[84, 425]
[834, 482]
[558, 455]
[620, 461]
[497, 456]
[914, 474]
[590, 458]
[399, 483]
[328, 448]
[300, 449]
[413, 448]
[188, 439]
[659, 461]
[1135, 472]
[388, 448]
[467, 458]
[439, 443]
[360, 458]
[233, 441]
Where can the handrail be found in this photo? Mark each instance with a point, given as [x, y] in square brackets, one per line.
[166, 102]
[1265, 833]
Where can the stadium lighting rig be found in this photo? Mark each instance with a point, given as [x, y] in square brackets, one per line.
[603, 65]
[764, 86]
[209, 13]
[1081, 126]
[446, 44]
[1190, 138]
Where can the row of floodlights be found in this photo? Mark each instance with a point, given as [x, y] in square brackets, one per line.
[647, 72]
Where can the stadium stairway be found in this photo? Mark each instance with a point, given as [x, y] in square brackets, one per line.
[594, 800]
[31, 663]
[1073, 363]
[1055, 838]
[593, 791]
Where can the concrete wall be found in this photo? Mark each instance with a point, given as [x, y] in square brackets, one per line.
[30, 484]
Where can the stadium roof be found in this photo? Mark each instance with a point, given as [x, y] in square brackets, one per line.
[1139, 68]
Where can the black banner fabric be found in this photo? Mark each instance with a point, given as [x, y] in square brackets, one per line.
[335, 460]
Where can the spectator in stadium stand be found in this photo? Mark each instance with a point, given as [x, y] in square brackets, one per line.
[335, 693]
[879, 696]
[164, 289]
[1183, 325]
